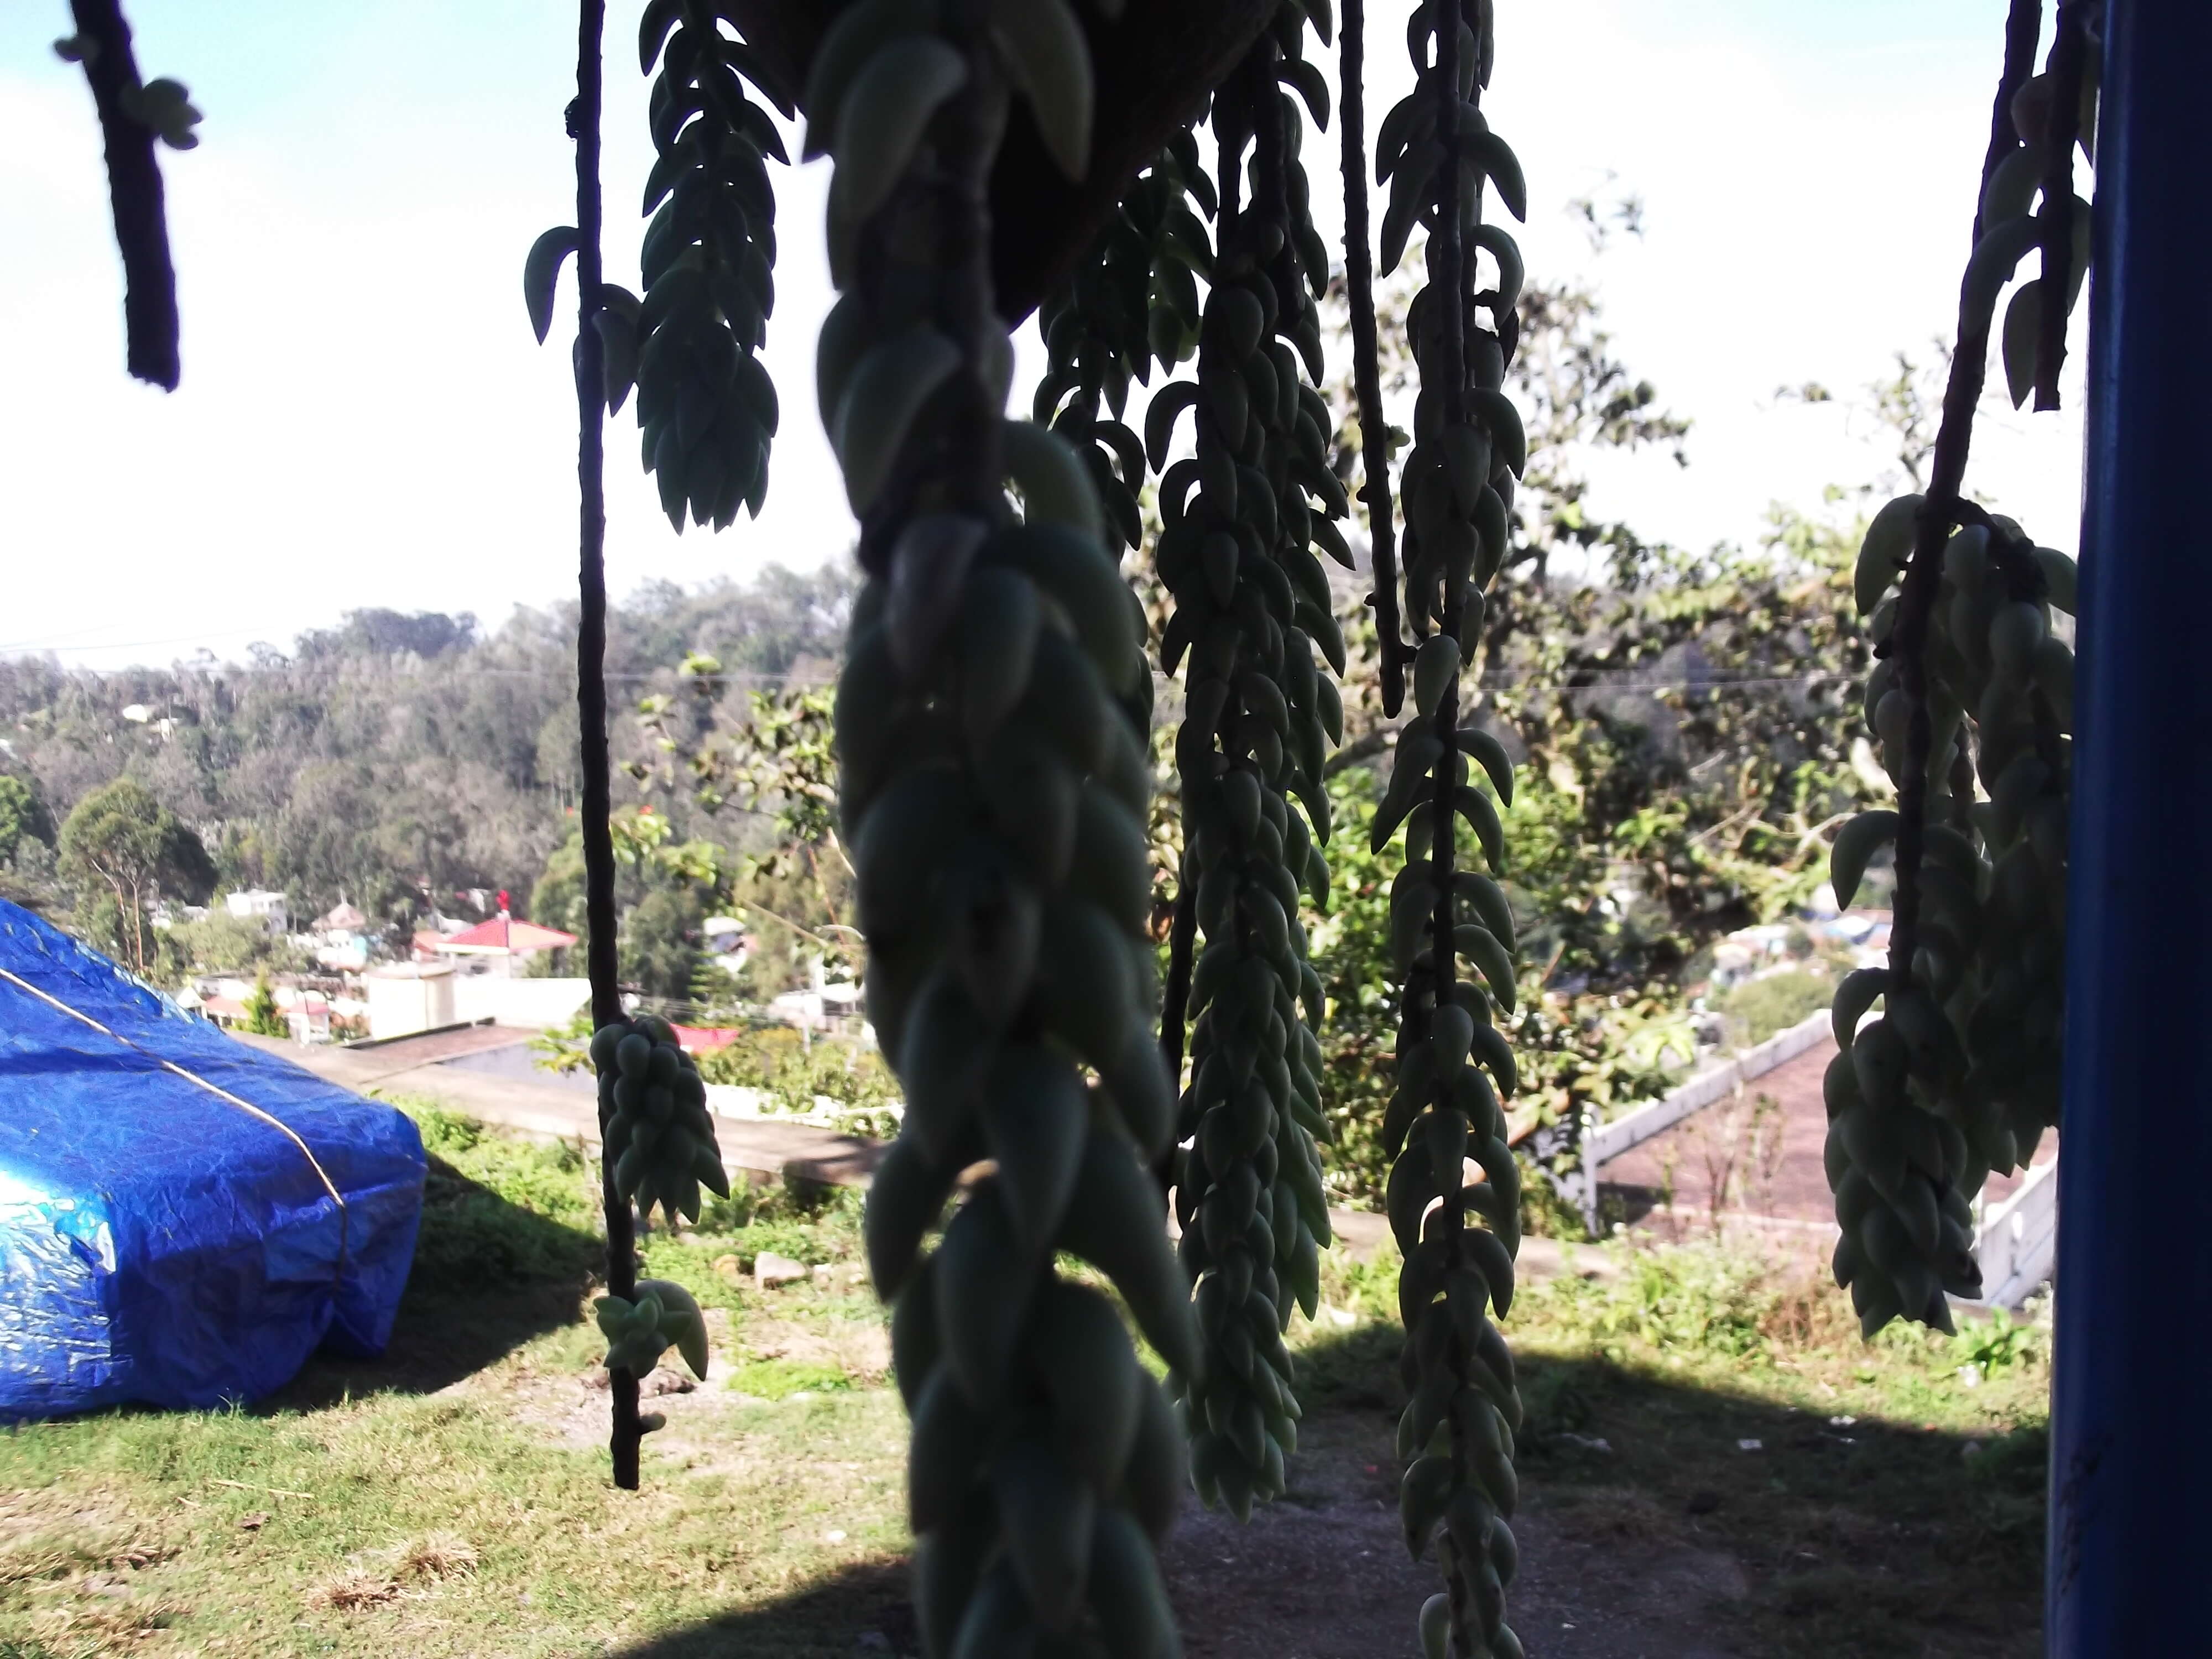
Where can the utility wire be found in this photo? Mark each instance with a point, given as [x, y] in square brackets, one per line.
[1710, 681]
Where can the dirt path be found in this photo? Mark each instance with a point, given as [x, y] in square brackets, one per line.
[1323, 1573]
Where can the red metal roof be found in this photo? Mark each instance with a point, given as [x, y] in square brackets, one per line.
[504, 934]
[704, 1039]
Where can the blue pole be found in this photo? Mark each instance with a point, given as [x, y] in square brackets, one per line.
[2129, 1569]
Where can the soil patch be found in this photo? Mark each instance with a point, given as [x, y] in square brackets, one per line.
[1322, 1573]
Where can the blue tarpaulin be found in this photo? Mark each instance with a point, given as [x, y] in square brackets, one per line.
[184, 1219]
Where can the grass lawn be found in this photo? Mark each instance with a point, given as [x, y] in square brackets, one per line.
[452, 1498]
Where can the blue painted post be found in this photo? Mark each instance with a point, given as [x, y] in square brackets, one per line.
[2130, 1534]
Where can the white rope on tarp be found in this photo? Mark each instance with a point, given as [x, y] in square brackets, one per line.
[246, 1106]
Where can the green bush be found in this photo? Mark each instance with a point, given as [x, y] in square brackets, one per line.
[555, 1181]
[497, 1211]
[564, 1048]
[1686, 1300]
[808, 1221]
[501, 1211]
[1577, 1051]
[792, 1072]
[1983, 1347]
[1758, 1008]
[263, 1018]
[220, 943]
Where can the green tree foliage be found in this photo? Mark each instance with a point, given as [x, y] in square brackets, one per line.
[380, 633]
[1686, 738]
[263, 1017]
[664, 892]
[1688, 749]
[395, 760]
[661, 941]
[121, 850]
[220, 943]
[1691, 736]
[769, 777]
[23, 817]
[777, 765]
[793, 1071]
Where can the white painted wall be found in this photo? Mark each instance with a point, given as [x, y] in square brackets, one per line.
[534, 1003]
[408, 997]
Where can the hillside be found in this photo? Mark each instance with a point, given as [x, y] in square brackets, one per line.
[396, 761]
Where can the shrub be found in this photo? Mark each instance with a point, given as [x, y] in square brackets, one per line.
[1758, 1008]
[500, 1212]
[794, 1074]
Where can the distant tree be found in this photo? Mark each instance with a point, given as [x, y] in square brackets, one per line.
[381, 633]
[1684, 733]
[23, 817]
[777, 768]
[122, 846]
[263, 1017]
[390, 756]
[660, 942]
[224, 944]
[769, 628]
[663, 890]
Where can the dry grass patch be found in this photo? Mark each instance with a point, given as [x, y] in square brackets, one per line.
[1612, 1514]
[100, 1628]
[353, 1590]
[441, 1555]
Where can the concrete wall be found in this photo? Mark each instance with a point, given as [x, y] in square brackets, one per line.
[401, 1000]
[2016, 1245]
[1610, 1140]
[534, 1003]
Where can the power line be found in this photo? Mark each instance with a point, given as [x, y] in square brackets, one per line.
[733, 677]
[1707, 682]
[54, 642]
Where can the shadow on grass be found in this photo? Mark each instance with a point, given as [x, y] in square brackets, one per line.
[1840, 1540]
[862, 1610]
[1855, 1536]
[488, 1277]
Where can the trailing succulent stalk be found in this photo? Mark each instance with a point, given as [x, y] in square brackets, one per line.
[994, 783]
[1252, 606]
[707, 407]
[1367, 381]
[658, 1146]
[634, 1322]
[1458, 1239]
[1133, 298]
[132, 115]
[1973, 704]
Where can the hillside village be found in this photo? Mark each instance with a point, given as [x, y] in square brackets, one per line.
[1321, 977]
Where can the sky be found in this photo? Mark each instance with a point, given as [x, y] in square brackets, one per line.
[366, 420]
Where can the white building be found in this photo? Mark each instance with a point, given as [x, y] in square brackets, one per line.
[257, 905]
[832, 1005]
[409, 996]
